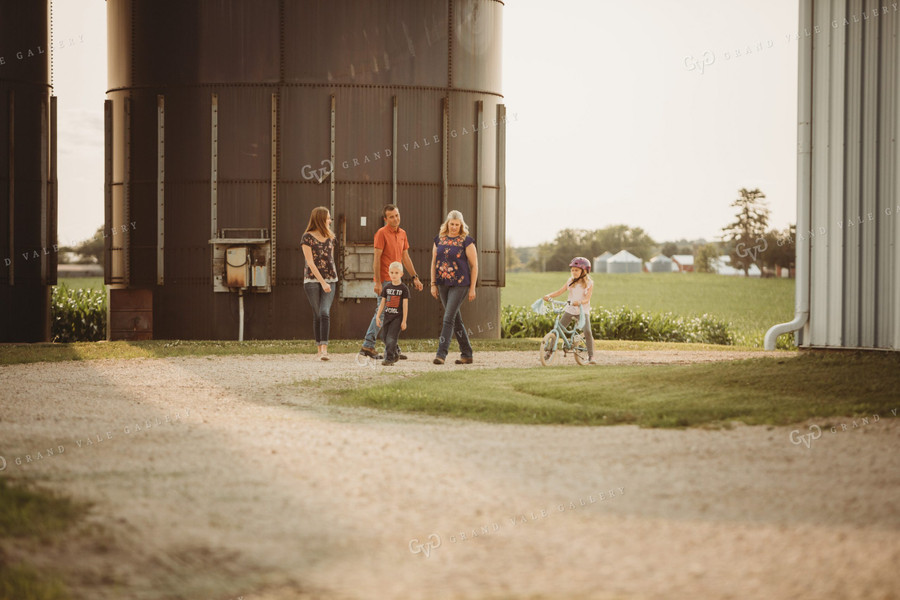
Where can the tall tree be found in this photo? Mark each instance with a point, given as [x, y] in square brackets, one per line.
[513, 262]
[782, 248]
[747, 233]
[669, 249]
[705, 257]
[91, 250]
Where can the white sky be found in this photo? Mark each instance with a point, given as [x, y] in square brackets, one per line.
[612, 127]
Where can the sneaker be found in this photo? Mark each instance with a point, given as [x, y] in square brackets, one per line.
[438, 360]
[388, 363]
[464, 360]
[324, 357]
[592, 362]
[370, 352]
[402, 356]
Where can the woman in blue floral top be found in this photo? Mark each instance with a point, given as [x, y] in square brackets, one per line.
[320, 273]
[454, 270]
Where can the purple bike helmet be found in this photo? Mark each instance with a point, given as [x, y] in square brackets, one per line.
[582, 263]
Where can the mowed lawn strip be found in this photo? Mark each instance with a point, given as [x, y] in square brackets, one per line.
[756, 391]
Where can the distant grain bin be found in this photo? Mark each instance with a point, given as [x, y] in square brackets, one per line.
[27, 173]
[228, 122]
[624, 262]
[661, 264]
[600, 262]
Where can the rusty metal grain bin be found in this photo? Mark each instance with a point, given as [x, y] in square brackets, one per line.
[27, 172]
[228, 121]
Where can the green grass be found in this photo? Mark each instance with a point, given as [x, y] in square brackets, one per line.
[28, 514]
[21, 582]
[776, 391]
[86, 283]
[752, 305]
[11, 354]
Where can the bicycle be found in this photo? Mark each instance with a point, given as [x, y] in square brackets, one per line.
[571, 337]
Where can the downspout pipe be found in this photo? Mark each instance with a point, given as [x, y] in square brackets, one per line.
[804, 179]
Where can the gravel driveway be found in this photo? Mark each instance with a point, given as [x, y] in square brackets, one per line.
[227, 477]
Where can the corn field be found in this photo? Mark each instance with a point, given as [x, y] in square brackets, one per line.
[77, 315]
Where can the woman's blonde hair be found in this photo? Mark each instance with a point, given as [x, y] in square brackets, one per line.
[454, 215]
[317, 222]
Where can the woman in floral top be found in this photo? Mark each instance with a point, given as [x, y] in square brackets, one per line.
[454, 270]
[320, 273]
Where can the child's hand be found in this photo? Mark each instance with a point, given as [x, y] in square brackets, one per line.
[403, 326]
[547, 298]
[378, 321]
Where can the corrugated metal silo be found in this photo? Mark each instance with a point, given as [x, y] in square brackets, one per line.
[233, 119]
[27, 172]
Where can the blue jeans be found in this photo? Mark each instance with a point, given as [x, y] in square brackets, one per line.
[452, 298]
[321, 306]
[391, 337]
[373, 330]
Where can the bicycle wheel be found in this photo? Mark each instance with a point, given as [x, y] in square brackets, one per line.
[579, 347]
[548, 349]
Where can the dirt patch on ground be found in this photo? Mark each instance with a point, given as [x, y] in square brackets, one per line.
[232, 476]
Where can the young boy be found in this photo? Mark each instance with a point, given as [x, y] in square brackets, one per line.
[395, 307]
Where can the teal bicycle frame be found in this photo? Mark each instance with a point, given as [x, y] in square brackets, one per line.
[572, 338]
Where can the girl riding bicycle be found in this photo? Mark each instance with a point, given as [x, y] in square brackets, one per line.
[580, 287]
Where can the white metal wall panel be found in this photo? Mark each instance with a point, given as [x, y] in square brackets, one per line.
[834, 49]
[888, 306]
[855, 237]
[868, 239]
[821, 292]
[892, 220]
[853, 188]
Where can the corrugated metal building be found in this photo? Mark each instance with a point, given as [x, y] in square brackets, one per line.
[27, 172]
[848, 218]
[231, 126]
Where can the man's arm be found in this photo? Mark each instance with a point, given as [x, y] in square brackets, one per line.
[407, 262]
[376, 268]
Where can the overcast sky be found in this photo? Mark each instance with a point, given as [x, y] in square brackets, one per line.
[650, 114]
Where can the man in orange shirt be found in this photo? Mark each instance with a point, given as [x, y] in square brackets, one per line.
[390, 245]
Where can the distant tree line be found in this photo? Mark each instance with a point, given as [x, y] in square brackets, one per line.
[555, 255]
[87, 252]
[746, 241]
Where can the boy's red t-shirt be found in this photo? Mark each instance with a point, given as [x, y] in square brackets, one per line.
[392, 244]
